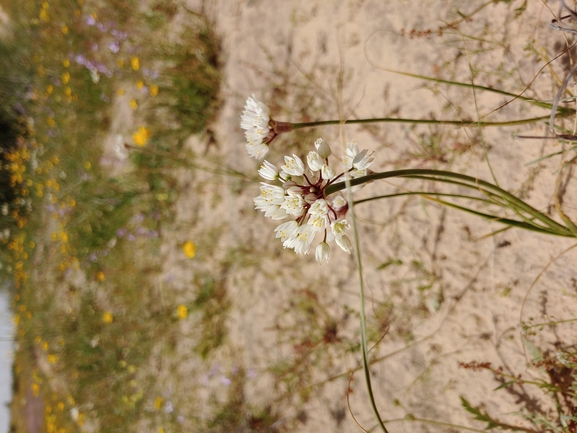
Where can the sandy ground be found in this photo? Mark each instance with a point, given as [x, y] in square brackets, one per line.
[458, 296]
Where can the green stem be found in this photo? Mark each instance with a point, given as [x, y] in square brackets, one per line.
[508, 221]
[421, 193]
[562, 110]
[477, 184]
[495, 199]
[427, 195]
[470, 123]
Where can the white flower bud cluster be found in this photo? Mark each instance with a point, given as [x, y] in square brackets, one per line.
[301, 195]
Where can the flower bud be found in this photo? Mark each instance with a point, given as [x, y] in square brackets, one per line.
[327, 172]
[323, 252]
[345, 243]
[268, 171]
[314, 161]
[294, 190]
[323, 148]
[310, 198]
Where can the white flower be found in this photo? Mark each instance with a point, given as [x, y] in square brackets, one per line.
[345, 243]
[286, 231]
[293, 204]
[339, 229]
[322, 148]
[293, 166]
[314, 161]
[256, 149]
[362, 161]
[327, 172]
[319, 207]
[303, 239]
[255, 121]
[268, 171]
[323, 252]
[255, 114]
[338, 202]
[351, 152]
[318, 212]
[269, 201]
[359, 162]
[318, 222]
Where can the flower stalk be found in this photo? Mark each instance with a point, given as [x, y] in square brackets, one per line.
[261, 129]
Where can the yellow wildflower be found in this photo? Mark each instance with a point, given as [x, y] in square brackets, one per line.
[52, 358]
[158, 402]
[107, 317]
[64, 29]
[66, 63]
[44, 16]
[182, 311]
[49, 89]
[35, 389]
[100, 276]
[189, 249]
[65, 77]
[120, 63]
[120, 92]
[154, 90]
[139, 84]
[141, 137]
[133, 104]
[135, 63]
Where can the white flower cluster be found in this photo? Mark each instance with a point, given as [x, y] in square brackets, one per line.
[255, 121]
[302, 196]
